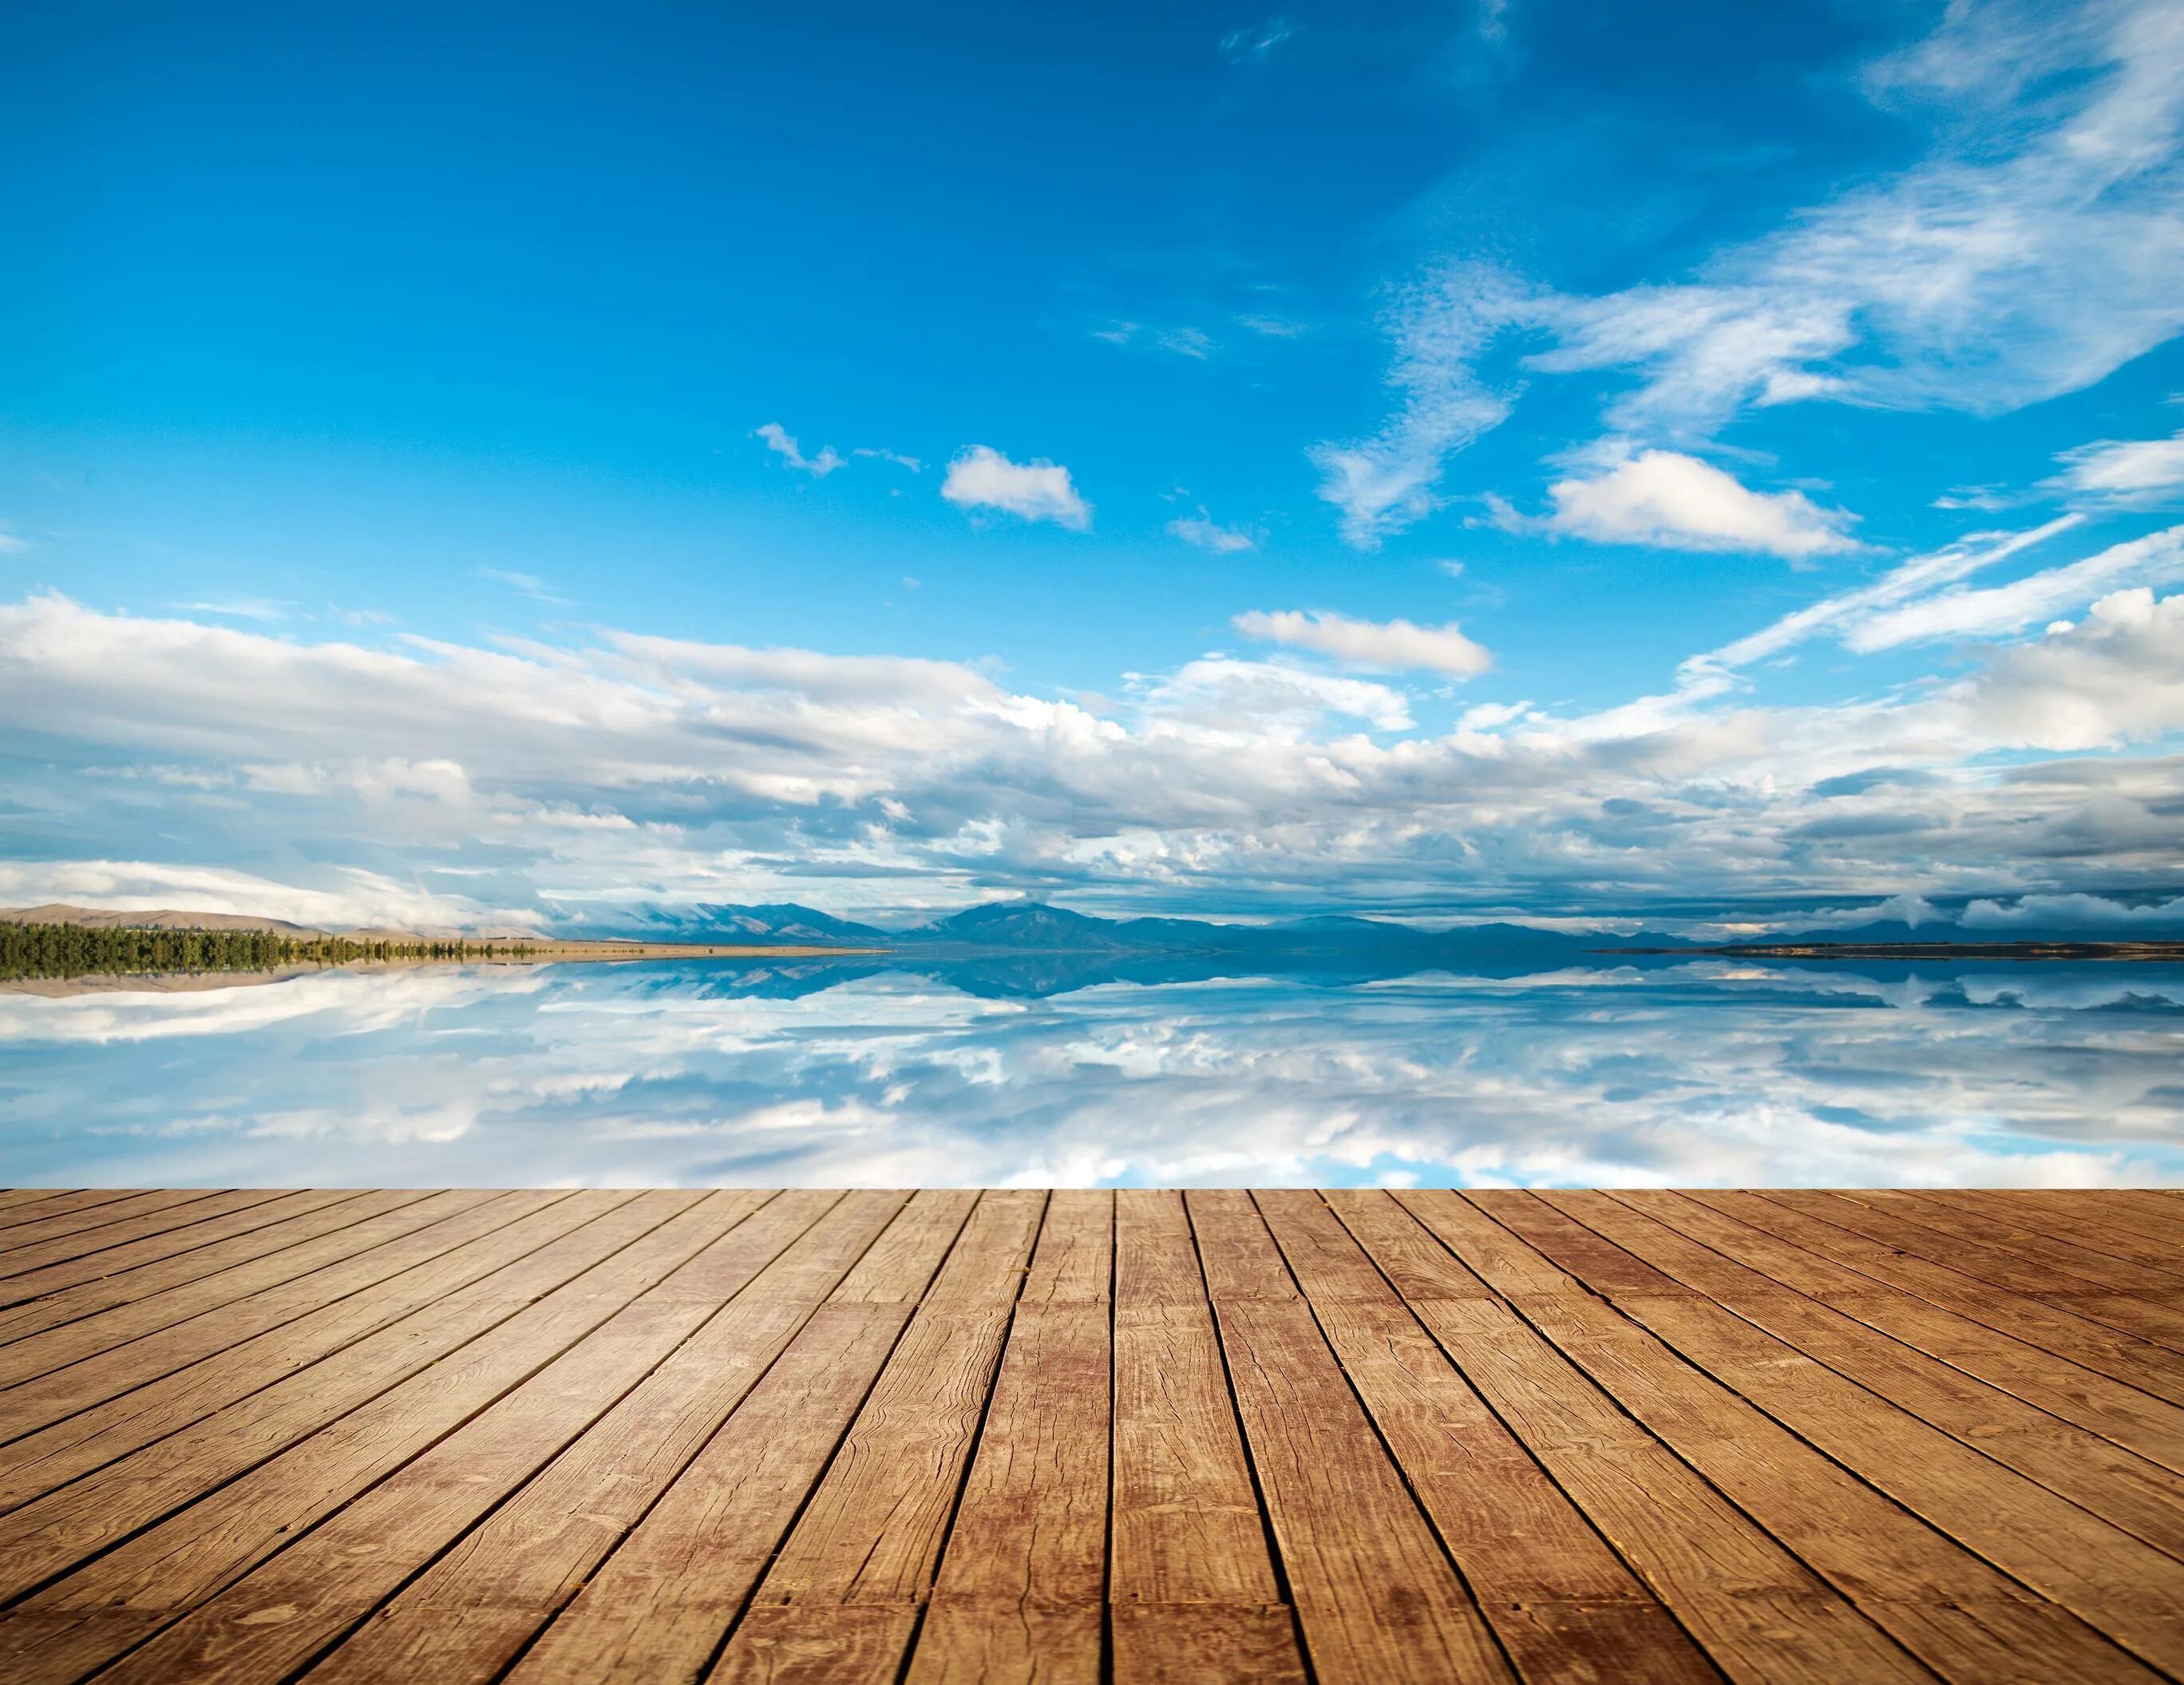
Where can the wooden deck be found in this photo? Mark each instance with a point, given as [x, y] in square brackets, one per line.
[1358, 1436]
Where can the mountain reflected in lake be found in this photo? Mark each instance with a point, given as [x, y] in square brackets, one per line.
[1072, 1070]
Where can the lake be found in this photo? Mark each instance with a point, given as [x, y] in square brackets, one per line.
[1696, 1071]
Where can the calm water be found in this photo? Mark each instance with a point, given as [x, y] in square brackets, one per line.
[1701, 1072]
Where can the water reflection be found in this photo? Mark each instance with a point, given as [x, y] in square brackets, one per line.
[1702, 1071]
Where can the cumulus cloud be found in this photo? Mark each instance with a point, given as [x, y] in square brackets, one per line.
[2124, 470]
[1207, 534]
[981, 477]
[1396, 646]
[622, 765]
[1679, 503]
[2118, 677]
[783, 445]
[2096, 914]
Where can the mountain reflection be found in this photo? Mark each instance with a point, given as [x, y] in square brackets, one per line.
[1077, 1069]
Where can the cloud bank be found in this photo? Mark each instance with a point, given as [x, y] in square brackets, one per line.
[424, 779]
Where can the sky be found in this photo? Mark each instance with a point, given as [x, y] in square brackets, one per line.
[485, 466]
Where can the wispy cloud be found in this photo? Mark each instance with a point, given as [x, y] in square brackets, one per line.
[981, 477]
[1392, 646]
[2035, 249]
[11, 545]
[783, 445]
[528, 583]
[895, 457]
[1251, 46]
[1187, 341]
[2124, 470]
[1207, 534]
[1385, 483]
[262, 609]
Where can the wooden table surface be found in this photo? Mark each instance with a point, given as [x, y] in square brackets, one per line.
[548, 1436]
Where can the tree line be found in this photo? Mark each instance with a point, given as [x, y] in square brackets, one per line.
[83, 951]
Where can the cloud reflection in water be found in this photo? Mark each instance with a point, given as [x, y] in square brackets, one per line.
[1704, 1072]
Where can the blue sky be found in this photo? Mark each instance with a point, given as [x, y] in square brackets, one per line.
[1560, 458]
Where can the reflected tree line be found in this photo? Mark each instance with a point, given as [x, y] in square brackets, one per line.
[81, 951]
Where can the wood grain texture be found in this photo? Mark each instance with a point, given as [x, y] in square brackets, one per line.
[1777, 1437]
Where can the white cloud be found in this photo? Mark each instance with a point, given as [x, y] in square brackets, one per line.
[1677, 502]
[2117, 678]
[1271, 327]
[1385, 483]
[2124, 470]
[2038, 245]
[1491, 716]
[2095, 914]
[1957, 612]
[1917, 578]
[628, 766]
[352, 900]
[11, 545]
[981, 477]
[1397, 645]
[1209, 535]
[895, 457]
[783, 444]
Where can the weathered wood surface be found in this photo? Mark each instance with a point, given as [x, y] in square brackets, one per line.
[1825, 1437]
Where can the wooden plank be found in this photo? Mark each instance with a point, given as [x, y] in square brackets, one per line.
[2106, 1351]
[1021, 1585]
[248, 1216]
[1684, 1334]
[12, 1197]
[30, 1245]
[872, 1531]
[1074, 1261]
[455, 1253]
[261, 1484]
[2103, 1220]
[259, 1576]
[2084, 1255]
[1997, 1266]
[100, 1357]
[659, 1607]
[825, 1644]
[1376, 1599]
[2138, 1496]
[1562, 1604]
[1187, 1526]
[55, 1202]
[1760, 1614]
[911, 1250]
[1961, 1617]
[1199, 1643]
[324, 1211]
[1192, 1577]
[467, 1617]
[2123, 1414]
[247, 1293]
